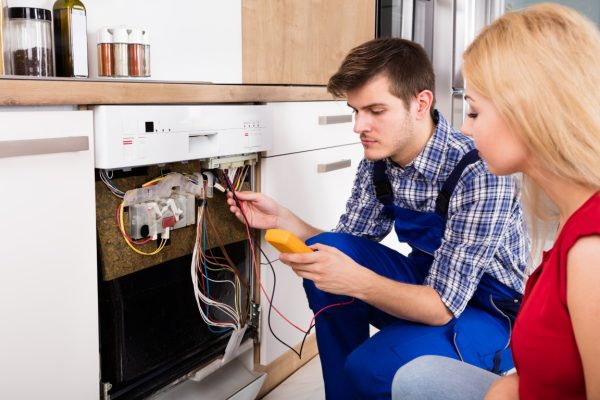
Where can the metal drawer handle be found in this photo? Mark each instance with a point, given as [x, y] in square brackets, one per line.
[333, 166]
[30, 147]
[334, 119]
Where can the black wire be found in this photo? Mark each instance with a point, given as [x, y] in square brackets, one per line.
[298, 353]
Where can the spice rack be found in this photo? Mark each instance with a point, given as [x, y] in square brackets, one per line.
[123, 52]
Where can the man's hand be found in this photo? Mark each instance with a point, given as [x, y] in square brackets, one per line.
[261, 211]
[331, 270]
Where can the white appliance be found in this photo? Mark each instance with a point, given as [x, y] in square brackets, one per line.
[222, 136]
[130, 136]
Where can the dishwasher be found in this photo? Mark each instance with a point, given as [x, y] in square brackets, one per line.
[176, 271]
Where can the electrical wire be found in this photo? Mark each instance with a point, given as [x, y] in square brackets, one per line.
[128, 240]
[104, 177]
[202, 263]
[270, 299]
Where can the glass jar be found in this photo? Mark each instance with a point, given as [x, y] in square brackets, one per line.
[135, 52]
[120, 54]
[29, 34]
[146, 53]
[105, 53]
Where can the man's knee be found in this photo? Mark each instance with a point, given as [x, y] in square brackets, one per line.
[368, 374]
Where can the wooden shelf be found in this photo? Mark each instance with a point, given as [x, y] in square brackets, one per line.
[55, 91]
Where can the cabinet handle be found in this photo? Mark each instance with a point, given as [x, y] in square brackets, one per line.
[30, 147]
[333, 166]
[334, 119]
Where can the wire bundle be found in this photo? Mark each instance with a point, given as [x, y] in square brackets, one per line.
[215, 313]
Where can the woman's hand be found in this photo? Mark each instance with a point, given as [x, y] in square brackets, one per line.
[505, 388]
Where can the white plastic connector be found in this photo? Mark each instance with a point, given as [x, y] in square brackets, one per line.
[210, 178]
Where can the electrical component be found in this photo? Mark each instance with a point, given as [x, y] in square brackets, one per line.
[163, 204]
[229, 162]
[210, 182]
[151, 218]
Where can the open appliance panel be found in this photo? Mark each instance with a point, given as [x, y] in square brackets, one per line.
[151, 334]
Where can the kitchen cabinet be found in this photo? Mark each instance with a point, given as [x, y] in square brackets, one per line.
[308, 138]
[301, 42]
[48, 275]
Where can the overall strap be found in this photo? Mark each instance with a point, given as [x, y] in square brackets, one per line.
[443, 200]
[383, 187]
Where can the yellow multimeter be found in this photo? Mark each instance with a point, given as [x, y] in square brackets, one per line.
[286, 242]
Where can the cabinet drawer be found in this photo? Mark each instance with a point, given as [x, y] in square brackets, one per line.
[317, 197]
[302, 126]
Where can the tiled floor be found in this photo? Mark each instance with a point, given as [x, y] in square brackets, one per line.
[304, 384]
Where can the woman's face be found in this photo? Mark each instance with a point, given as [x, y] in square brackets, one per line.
[498, 145]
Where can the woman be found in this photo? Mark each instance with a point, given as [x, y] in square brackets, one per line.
[534, 107]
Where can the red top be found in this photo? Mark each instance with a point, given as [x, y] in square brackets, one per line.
[543, 342]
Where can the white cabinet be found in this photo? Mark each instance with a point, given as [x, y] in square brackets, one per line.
[48, 277]
[290, 174]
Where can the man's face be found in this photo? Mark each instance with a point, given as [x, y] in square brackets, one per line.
[385, 126]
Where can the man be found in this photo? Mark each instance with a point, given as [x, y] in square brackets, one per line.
[457, 291]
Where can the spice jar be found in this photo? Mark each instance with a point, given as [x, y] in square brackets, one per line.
[145, 53]
[135, 52]
[120, 53]
[29, 34]
[105, 53]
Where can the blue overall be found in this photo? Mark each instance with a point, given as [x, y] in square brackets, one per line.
[358, 366]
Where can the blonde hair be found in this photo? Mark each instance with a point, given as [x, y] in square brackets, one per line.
[540, 67]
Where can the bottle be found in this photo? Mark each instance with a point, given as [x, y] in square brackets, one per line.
[70, 36]
[105, 53]
[120, 56]
[134, 51]
[29, 34]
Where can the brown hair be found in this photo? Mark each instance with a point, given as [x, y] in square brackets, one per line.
[404, 62]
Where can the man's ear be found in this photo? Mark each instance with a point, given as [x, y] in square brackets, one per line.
[424, 100]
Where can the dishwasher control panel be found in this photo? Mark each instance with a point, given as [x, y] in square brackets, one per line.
[131, 136]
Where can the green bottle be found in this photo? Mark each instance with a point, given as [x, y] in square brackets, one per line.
[70, 38]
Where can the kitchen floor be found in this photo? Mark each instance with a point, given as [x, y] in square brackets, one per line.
[304, 384]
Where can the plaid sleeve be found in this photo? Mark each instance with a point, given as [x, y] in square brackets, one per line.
[364, 213]
[479, 217]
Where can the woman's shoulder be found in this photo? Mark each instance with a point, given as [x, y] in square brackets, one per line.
[585, 221]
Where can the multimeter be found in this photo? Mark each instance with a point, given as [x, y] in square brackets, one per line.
[286, 242]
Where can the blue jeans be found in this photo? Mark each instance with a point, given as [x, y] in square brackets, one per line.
[434, 377]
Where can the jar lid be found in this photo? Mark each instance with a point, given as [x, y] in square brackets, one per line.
[135, 35]
[104, 35]
[120, 34]
[145, 37]
[29, 13]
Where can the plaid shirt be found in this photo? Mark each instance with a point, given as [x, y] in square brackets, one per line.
[485, 230]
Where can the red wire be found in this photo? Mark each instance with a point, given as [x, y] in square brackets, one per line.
[269, 299]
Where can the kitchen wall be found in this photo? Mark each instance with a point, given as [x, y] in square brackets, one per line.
[191, 40]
